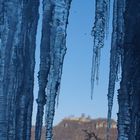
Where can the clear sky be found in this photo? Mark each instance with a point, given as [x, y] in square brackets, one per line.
[75, 86]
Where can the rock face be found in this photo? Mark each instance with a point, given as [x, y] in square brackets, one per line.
[129, 93]
[82, 129]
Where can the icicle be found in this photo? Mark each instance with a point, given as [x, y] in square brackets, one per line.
[15, 55]
[116, 53]
[1, 20]
[100, 28]
[113, 67]
[3, 38]
[57, 53]
[44, 65]
[5, 45]
[107, 4]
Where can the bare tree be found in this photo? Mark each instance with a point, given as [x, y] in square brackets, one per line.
[90, 134]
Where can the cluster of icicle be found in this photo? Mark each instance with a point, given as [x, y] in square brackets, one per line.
[18, 24]
[52, 52]
[99, 32]
[116, 55]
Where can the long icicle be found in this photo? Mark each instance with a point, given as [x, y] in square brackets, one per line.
[115, 54]
[17, 45]
[113, 67]
[3, 38]
[44, 65]
[57, 53]
[99, 30]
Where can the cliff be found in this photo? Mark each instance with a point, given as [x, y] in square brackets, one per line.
[81, 129]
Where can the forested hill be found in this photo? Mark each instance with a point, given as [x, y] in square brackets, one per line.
[81, 129]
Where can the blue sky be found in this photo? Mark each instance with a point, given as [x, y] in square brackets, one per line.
[75, 86]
